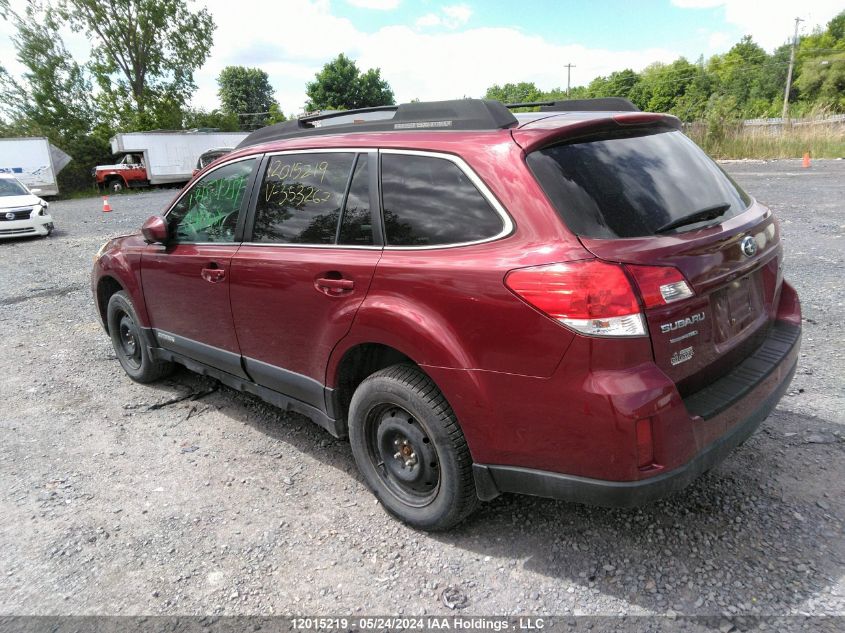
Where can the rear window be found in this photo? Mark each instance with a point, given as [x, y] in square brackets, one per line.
[633, 185]
[299, 201]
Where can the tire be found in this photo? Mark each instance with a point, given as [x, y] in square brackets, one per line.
[410, 449]
[115, 186]
[128, 343]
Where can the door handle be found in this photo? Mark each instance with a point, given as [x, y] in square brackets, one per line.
[334, 286]
[213, 275]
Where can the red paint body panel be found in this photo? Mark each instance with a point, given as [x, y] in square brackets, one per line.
[180, 301]
[582, 420]
[712, 261]
[282, 317]
[135, 175]
[526, 390]
[122, 263]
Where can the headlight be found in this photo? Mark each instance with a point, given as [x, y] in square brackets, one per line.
[102, 250]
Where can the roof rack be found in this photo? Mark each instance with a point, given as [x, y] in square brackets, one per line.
[605, 104]
[459, 114]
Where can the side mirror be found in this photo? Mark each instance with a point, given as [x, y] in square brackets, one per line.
[35, 192]
[154, 230]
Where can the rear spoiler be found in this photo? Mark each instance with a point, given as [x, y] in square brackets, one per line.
[552, 131]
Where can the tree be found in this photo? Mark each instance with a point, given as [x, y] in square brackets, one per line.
[55, 94]
[821, 67]
[246, 91]
[144, 54]
[341, 86]
[276, 115]
[523, 92]
[618, 84]
[216, 119]
[53, 97]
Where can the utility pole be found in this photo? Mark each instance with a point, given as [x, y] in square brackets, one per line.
[785, 115]
[569, 68]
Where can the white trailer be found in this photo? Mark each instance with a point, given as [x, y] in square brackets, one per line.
[33, 161]
[171, 156]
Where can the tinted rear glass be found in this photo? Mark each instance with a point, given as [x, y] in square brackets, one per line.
[429, 201]
[299, 200]
[630, 186]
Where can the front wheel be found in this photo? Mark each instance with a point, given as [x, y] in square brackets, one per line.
[115, 186]
[408, 446]
[128, 343]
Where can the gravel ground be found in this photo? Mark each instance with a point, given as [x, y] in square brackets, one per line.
[116, 499]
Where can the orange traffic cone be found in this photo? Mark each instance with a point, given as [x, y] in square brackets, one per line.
[806, 163]
[106, 205]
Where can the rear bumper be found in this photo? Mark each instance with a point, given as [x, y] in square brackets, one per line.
[493, 479]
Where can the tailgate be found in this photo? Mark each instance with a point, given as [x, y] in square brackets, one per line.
[696, 340]
[651, 197]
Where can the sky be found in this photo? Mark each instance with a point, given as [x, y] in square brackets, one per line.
[431, 49]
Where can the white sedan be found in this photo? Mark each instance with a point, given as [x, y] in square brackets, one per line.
[22, 213]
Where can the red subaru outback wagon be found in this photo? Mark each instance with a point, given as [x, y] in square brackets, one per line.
[574, 302]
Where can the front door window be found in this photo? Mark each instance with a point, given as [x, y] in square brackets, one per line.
[209, 212]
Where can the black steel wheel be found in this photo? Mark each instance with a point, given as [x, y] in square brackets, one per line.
[403, 454]
[410, 449]
[130, 346]
[128, 342]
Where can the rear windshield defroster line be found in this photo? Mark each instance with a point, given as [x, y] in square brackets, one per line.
[632, 184]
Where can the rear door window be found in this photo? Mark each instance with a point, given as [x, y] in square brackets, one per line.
[356, 225]
[430, 201]
[635, 184]
[300, 198]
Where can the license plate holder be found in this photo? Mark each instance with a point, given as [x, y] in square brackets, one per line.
[736, 307]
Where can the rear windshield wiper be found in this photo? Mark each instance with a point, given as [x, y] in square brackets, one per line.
[708, 213]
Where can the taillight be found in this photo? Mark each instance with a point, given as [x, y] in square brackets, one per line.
[660, 285]
[589, 296]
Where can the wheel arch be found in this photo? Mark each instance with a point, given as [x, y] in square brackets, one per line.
[112, 176]
[354, 365]
[107, 286]
[123, 269]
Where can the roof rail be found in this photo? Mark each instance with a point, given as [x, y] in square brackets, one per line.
[604, 104]
[459, 114]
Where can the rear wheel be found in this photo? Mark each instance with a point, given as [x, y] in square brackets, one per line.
[128, 343]
[408, 446]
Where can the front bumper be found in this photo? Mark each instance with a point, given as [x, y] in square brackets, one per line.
[34, 226]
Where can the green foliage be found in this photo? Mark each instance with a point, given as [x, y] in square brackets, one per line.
[523, 92]
[144, 53]
[56, 94]
[54, 98]
[246, 92]
[215, 119]
[746, 82]
[822, 82]
[341, 86]
[276, 115]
